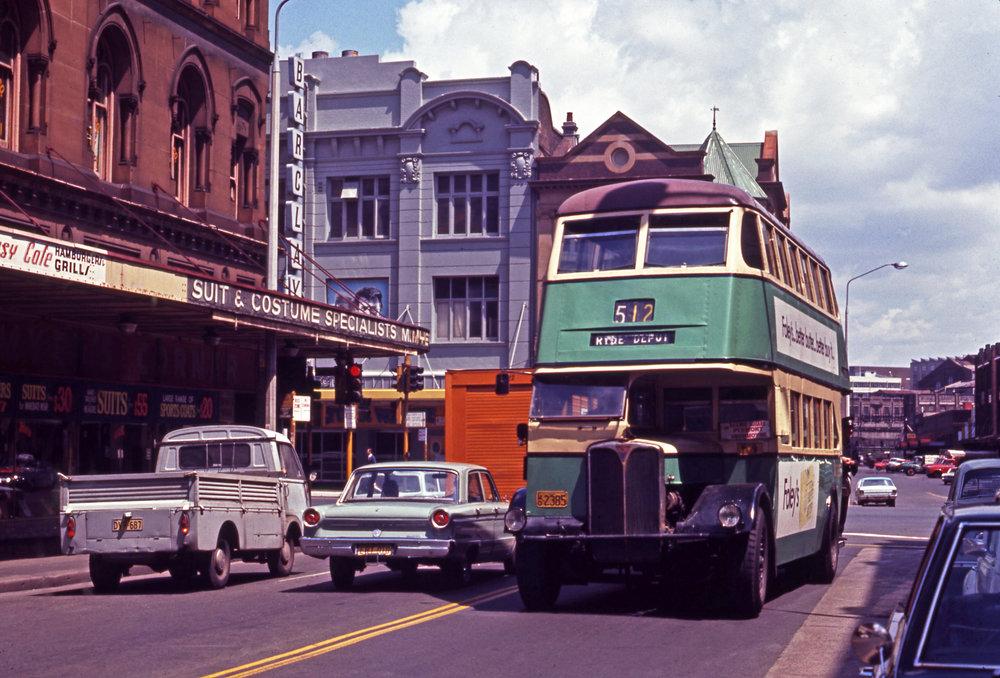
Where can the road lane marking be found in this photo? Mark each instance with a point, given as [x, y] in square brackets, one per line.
[883, 536]
[338, 642]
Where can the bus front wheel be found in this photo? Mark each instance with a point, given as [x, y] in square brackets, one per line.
[537, 576]
[753, 571]
[825, 562]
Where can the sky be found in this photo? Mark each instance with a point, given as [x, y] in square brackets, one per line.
[887, 112]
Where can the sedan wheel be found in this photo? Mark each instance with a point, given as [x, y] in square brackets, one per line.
[458, 571]
[342, 573]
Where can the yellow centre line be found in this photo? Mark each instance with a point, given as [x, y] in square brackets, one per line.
[331, 644]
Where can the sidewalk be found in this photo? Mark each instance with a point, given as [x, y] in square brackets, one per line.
[25, 574]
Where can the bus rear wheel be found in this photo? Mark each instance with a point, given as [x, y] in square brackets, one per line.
[537, 576]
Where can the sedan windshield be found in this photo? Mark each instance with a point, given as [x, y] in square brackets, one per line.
[438, 485]
[586, 396]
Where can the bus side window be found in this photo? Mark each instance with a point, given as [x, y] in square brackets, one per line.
[789, 277]
[807, 280]
[773, 262]
[750, 242]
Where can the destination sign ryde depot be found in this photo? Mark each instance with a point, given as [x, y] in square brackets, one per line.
[649, 338]
[270, 306]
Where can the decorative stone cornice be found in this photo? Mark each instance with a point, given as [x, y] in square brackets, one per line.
[409, 169]
[520, 165]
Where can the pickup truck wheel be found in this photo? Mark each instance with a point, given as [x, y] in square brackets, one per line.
[105, 576]
[537, 576]
[183, 572]
[279, 562]
[217, 564]
[753, 572]
[342, 573]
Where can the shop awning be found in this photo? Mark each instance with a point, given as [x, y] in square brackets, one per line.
[64, 282]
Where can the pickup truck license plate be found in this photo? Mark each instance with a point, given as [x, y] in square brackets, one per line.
[132, 525]
[373, 549]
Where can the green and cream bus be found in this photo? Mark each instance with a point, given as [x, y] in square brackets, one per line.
[685, 418]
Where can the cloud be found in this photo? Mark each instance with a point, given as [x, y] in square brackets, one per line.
[886, 114]
[318, 41]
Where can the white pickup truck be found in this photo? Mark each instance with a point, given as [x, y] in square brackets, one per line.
[218, 492]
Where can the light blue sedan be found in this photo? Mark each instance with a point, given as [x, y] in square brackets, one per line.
[407, 514]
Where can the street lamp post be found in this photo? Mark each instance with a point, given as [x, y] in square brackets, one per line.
[898, 265]
[271, 347]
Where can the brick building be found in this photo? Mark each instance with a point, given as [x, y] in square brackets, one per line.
[133, 232]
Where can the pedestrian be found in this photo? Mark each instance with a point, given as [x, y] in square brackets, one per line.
[370, 456]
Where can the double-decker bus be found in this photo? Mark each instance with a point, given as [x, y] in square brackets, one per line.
[685, 418]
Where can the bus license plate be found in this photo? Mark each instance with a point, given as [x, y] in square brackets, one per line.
[130, 525]
[373, 550]
[550, 499]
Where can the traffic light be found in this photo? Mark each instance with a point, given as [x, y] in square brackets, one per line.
[402, 379]
[352, 384]
[415, 381]
[503, 383]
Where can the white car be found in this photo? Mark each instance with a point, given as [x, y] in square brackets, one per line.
[875, 489]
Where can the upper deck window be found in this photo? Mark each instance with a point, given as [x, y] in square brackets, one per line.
[607, 244]
[677, 240]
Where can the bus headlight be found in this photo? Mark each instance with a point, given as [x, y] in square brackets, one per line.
[729, 515]
[514, 519]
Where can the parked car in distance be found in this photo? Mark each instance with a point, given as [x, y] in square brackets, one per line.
[939, 466]
[911, 467]
[949, 475]
[892, 465]
[976, 482]
[950, 623]
[875, 490]
[407, 514]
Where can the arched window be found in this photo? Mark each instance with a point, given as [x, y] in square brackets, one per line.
[113, 106]
[9, 83]
[245, 159]
[191, 135]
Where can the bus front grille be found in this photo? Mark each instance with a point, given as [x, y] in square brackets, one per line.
[625, 489]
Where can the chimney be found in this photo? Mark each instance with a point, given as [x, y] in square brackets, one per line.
[569, 127]
[349, 53]
[320, 55]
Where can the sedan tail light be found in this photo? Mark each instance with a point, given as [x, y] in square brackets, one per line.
[440, 518]
[311, 517]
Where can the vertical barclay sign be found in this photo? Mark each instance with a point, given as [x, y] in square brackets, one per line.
[295, 177]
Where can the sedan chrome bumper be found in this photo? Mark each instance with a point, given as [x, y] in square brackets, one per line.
[376, 549]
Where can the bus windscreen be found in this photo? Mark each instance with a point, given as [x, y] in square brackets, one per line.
[589, 396]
